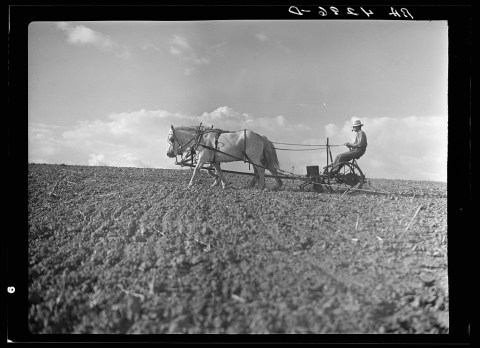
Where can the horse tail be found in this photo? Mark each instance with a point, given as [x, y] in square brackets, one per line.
[270, 159]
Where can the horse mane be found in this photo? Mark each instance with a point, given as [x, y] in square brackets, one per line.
[204, 129]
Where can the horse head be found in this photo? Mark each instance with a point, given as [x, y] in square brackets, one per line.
[180, 140]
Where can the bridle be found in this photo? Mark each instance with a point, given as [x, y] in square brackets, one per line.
[181, 147]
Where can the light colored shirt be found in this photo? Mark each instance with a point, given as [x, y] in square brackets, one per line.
[360, 141]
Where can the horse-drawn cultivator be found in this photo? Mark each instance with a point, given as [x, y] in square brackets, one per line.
[343, 176]
[349, 177]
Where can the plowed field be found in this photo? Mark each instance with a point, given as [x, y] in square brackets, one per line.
[128, 250]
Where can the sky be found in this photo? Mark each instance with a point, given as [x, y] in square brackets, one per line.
[106, 93]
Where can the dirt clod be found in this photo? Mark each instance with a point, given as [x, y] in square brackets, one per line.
[126, 250]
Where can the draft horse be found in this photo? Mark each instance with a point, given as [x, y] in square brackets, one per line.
[215, 146]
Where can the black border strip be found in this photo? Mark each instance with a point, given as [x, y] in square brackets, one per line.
[459, 19]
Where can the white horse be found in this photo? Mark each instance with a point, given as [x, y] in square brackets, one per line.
[215, 146]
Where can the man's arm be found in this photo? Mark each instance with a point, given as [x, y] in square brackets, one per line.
[359, 140]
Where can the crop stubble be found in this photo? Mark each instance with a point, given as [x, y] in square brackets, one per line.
[129, 250]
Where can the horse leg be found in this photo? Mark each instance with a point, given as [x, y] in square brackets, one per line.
[254, 179]
[215, 182]
[220, 175]
[261, 178]
[278, 180]
[200, 163]
[212, 171]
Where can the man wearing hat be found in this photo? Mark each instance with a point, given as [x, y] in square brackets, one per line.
[357, 149]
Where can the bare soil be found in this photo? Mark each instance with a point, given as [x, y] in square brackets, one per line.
[129, 250]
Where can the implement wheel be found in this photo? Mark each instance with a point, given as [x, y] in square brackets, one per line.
[317, 186]
[350, 176]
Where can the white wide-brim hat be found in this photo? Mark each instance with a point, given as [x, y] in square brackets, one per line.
[357, 123]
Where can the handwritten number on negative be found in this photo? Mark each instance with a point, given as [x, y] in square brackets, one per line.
[367, 12]
[334, 10]
[350, 11]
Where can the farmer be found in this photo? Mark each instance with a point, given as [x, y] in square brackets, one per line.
[357, 149]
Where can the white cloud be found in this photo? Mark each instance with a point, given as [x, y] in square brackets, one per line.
[193, 56]
[227, 118]
[97, 159]
[82, 35]
[148, 46]
[262, 37]
[138, 138]
[42, 142]
[331, 130]
[410, 148]
[116, 160]
[127, 139]
[399, 148]
[222, 113]
[180, 47]
[266, 39]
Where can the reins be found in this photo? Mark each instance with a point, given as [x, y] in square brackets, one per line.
[181, 147]
[199, 132]
[198, 135]
[316, 146]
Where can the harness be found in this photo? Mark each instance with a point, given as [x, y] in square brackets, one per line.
[217, 135]
[180, 146]
[196, 142]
